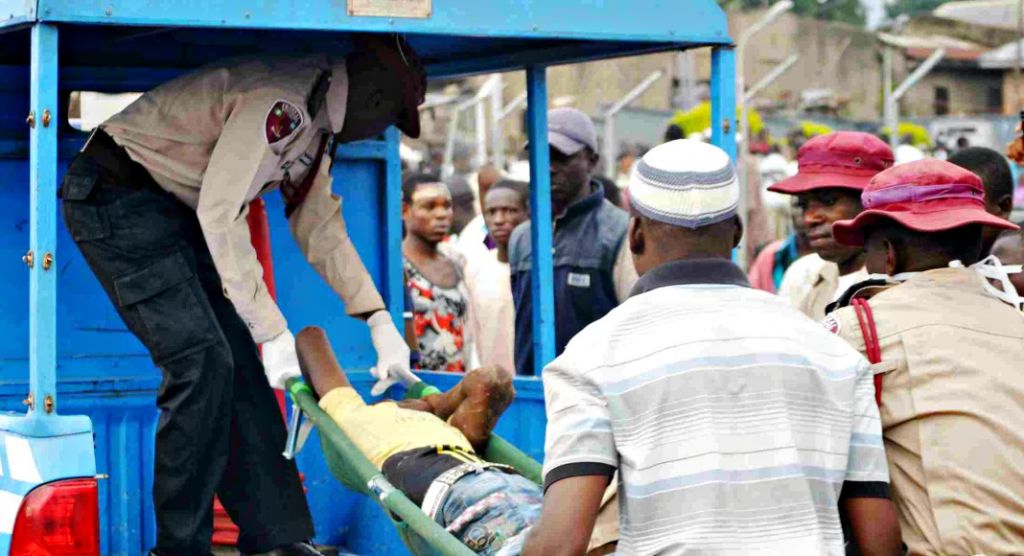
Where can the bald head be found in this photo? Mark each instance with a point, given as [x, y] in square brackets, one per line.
[487, 176]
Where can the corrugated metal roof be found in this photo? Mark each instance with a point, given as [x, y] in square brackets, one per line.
[931, 42]
[1004, 57]
[992, 13]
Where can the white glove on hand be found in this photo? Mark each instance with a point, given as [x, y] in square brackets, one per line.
[392, 354]
[280, 361]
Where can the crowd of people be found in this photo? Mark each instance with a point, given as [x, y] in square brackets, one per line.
[857, 391]
[468, 275]
[864, 398]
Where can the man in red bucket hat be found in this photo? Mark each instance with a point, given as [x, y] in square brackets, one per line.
[946, 347]
[833, 170]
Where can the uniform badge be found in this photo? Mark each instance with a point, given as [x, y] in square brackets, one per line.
[831, 323]
[282, 120]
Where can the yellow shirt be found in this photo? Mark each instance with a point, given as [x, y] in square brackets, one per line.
[952, 411]
[385, 429]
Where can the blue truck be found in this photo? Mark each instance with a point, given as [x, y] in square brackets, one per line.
[77, 413]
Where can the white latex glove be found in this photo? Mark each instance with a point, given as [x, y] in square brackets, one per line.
[392, 354]
[280, 361]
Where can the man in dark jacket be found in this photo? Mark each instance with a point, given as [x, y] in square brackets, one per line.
[593, 269]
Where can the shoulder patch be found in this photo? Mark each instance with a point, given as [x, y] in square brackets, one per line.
[831, 323]
[282, 120]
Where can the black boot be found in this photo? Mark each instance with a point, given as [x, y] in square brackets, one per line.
[295, 549]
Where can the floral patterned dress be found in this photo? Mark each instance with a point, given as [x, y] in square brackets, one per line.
[439, 319]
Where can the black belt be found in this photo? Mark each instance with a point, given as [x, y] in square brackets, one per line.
[114, 163]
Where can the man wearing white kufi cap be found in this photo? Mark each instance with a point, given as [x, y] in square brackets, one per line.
[736, 423]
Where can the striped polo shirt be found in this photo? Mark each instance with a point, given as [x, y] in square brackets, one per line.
[735, 421]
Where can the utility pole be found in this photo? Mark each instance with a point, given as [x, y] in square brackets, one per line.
[743, 124]
[892, 112]
[608, 148]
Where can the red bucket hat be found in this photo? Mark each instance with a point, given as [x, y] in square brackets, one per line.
[847, 159]
[926, 196]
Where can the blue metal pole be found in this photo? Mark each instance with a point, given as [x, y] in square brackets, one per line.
[723, 99]
[43, 221]
[541, 279]
[392, 278]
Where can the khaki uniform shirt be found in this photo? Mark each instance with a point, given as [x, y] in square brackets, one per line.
[952, 411]
[213, 139]
[811, 284]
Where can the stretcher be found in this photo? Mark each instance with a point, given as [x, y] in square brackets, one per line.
[421, 534]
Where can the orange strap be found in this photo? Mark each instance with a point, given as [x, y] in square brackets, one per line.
[866, 318]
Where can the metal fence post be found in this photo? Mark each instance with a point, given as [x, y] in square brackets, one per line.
[392, 277]
[723, 99]
[541, 278]
[43, 124]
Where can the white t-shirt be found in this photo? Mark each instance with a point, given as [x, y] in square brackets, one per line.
[493, 317]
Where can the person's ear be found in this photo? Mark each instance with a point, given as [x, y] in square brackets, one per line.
[892, 257]
[406, 209]
[635, 236]
[592, 160]
[1005, 205]
[738, 232]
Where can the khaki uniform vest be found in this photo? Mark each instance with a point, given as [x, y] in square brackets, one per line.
[207, 138]
[952, 411]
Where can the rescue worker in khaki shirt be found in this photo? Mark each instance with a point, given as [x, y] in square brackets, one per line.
[157, 203]
[949, 352]
[833, 170]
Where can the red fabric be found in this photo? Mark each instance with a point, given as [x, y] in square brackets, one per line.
[762, 270]
[841, 159]
[930, 213]
[866, 319]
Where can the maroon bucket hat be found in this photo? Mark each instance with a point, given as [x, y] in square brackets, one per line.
[926, 196]
[847, 159]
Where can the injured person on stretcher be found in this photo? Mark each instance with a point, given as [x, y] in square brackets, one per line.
[428, 449]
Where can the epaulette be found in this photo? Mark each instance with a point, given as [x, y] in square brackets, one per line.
[318, 94]
[866, 288]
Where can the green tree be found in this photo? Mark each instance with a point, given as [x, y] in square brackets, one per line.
[911, 7]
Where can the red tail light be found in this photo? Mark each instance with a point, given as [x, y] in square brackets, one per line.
[59, 519]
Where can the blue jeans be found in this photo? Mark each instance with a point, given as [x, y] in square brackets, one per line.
[484, 510]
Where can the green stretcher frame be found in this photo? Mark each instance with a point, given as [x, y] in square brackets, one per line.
[421, 534]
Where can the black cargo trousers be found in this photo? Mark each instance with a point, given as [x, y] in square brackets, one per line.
[220, 429]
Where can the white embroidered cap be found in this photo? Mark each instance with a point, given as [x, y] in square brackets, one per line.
[685, 183]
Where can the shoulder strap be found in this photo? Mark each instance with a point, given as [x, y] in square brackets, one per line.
[294, 195]
[866, 319]
[318, 94]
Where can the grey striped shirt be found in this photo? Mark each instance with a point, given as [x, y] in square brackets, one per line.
[734, 420]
